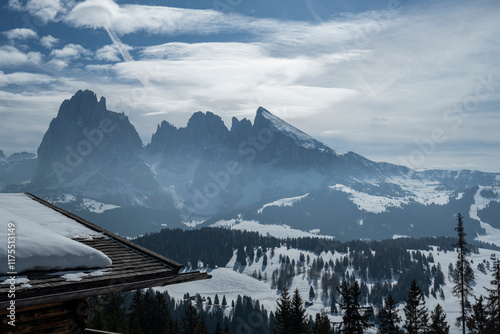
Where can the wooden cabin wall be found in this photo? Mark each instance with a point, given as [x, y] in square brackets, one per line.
[55, 318]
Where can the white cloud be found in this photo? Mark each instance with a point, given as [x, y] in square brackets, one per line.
[127, 19]
[71, 52]
[49, 41]
[110, 53]
[376, 83]
[11, 56]
[24, 78]
[43, 10]
[20, 34]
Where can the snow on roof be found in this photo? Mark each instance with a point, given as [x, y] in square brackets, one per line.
[43, 238]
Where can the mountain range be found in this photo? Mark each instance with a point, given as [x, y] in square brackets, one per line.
[92, 161]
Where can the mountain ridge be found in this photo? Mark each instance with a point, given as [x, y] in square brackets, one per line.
[205, 170]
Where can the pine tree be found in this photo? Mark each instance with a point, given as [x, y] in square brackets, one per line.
[158, 318]
[224, 301]
[463, 275]
[201, 327]
[438, 323]
[476, 321]
[298, 318]
[136, 311]
[282, 317]
[241, 256]
[218, 328]
[322, 323]
[415, 311]
[216, 300]
[190, 320]
[113, 313]
[353, 321]
[388, 317]
[493, 306]
[311, 293]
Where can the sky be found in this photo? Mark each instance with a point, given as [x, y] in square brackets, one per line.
[415, 83]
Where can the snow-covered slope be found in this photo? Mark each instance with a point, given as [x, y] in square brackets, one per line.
[271, 230]
[233, 280]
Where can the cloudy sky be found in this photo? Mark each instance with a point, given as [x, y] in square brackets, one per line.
[408, 82]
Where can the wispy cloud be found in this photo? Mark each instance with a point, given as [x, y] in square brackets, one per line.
[109, 53]
[24, 78]
[377, 83]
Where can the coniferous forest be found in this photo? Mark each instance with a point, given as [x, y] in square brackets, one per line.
[374, 286]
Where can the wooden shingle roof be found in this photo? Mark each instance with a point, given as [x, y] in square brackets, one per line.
[132, 267]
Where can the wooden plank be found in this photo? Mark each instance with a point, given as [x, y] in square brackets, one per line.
[105, 232]
[99, 290]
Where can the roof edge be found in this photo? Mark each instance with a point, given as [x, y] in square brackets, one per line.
[128, 243]
[78, 294]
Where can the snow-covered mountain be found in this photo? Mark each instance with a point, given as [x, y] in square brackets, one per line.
[266, 171]
[16, 168]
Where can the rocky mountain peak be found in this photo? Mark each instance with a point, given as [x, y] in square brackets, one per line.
[206, 127]
[84, 134]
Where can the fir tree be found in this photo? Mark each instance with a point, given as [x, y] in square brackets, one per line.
[322, 323]
[113, 315]
[476, 321]
[241, 256]
[216, 300]
[136, 310]
[298, 318]
[463, 275]
[388, 317]
[353, 321]
[415, 311]
[218, 328]
[311, 293]
[224, 301]
[493, 306]
[190, 320]
[438, 323]
[201, 327]
[282, 317]
[333, 306]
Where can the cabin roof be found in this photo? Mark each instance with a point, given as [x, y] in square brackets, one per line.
[132, 267]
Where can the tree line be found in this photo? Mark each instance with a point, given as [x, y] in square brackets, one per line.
[153, 312]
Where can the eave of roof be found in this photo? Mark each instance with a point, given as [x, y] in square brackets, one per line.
[133, 267]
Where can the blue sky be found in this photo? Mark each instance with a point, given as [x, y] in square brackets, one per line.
[408, 82]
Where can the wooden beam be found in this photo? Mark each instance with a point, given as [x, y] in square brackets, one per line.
[101, 290]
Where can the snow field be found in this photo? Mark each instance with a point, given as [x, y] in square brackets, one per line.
[233, 280]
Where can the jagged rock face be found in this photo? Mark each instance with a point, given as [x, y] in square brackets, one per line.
[204, 170]
[89, 147]
[203, 131]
